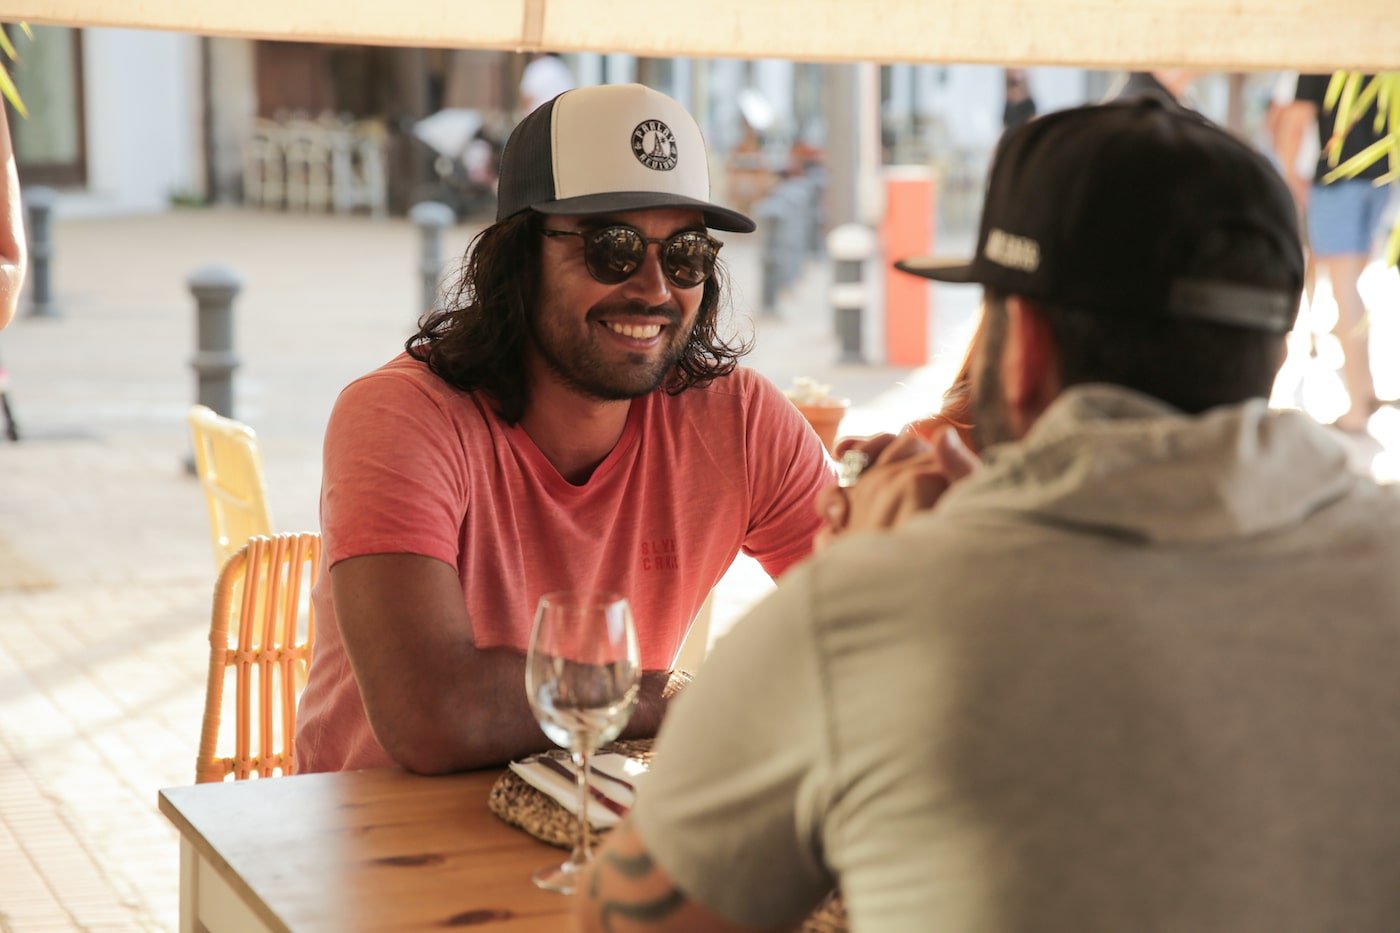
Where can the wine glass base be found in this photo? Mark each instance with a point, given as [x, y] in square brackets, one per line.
[563, 878]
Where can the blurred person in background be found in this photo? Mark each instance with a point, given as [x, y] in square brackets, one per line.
[1345, 218]
[13, 250]
[545, 77]
[1019, 104]
[1305, 150]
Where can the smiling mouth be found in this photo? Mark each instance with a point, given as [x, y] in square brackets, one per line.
[635, 331]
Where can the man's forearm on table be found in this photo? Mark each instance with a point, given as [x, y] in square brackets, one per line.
[489, 721]
[470, 711]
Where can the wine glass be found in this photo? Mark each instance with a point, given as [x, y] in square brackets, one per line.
[582, 677]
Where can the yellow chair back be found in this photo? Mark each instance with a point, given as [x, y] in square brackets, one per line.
[229, 466]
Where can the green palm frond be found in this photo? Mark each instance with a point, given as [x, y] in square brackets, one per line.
[1351, 96]
[7, 84]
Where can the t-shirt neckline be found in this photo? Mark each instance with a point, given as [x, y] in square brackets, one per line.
[545, 470]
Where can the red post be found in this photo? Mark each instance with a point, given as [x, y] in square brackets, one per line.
[907, 230]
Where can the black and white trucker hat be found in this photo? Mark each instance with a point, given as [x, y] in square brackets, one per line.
[1112, 208]
[616, 147]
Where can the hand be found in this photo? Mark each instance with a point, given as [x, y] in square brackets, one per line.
[1300, 187]
[658, 689]
[907, 474]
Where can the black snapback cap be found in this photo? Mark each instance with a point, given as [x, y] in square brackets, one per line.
[614, 147]
[1114, 207]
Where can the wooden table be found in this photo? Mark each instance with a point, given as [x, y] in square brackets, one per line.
[359, 850]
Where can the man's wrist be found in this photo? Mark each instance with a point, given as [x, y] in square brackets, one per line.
[657, 689]
[676, 681]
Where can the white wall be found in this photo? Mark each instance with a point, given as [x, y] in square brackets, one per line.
[1057, 88]
[970, 100]
[234, 93]
[722, 123]
[143, 110]
[773, 79]
[621, 68]
[588, 67]
[967, 99]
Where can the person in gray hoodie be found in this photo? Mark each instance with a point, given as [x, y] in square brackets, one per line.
[1137, 671]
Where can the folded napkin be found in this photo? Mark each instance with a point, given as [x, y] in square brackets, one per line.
[613, 782]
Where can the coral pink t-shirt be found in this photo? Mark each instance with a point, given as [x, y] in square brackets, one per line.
[414, 466]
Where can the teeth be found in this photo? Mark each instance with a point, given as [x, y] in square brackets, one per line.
[636, 331]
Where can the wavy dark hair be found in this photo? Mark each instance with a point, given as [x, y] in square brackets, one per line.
[476, 341]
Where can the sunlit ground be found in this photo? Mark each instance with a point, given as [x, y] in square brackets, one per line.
[1311, 375]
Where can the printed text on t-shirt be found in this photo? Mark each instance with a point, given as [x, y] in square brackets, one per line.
[660, 555]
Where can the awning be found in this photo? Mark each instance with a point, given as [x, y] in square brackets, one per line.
[1222, 35]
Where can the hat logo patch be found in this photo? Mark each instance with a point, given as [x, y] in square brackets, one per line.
[1014, 252]
[654, 145]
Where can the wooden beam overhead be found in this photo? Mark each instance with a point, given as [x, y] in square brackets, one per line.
[1224, 35]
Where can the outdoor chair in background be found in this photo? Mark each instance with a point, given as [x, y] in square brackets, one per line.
[229, 467]
[306, 149]
[358, 174]
[260, 639]
[264, 169]
[320, 164]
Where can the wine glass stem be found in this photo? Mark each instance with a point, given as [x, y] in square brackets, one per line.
[583, 851]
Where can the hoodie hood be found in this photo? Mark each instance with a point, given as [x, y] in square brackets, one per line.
[1117, 461]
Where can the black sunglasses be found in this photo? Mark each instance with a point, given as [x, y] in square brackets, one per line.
[612, 254]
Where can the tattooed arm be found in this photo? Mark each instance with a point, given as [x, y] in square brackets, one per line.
[728, 831]
[626, 890]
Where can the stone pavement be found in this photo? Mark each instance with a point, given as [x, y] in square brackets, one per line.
[106, 569]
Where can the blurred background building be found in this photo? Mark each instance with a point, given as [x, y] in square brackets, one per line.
[126, 121]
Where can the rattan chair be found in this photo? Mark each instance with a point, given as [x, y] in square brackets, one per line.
[260, 641]
[229, 466]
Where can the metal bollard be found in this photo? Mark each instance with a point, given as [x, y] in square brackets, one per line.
[770, 222]
[795, 228]
[40, 202]
[214, 288]
[850, 246]
[816, 213]
[431, 218]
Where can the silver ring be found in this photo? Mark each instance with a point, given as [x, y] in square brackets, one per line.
[853, 463]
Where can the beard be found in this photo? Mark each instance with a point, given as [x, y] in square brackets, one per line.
[578, 361]
[991, 423]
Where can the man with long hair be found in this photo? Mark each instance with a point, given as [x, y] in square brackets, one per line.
[1135, 671]
[572, 418]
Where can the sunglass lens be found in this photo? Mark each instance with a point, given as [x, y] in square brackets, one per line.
[689, 259]
[613, 254]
